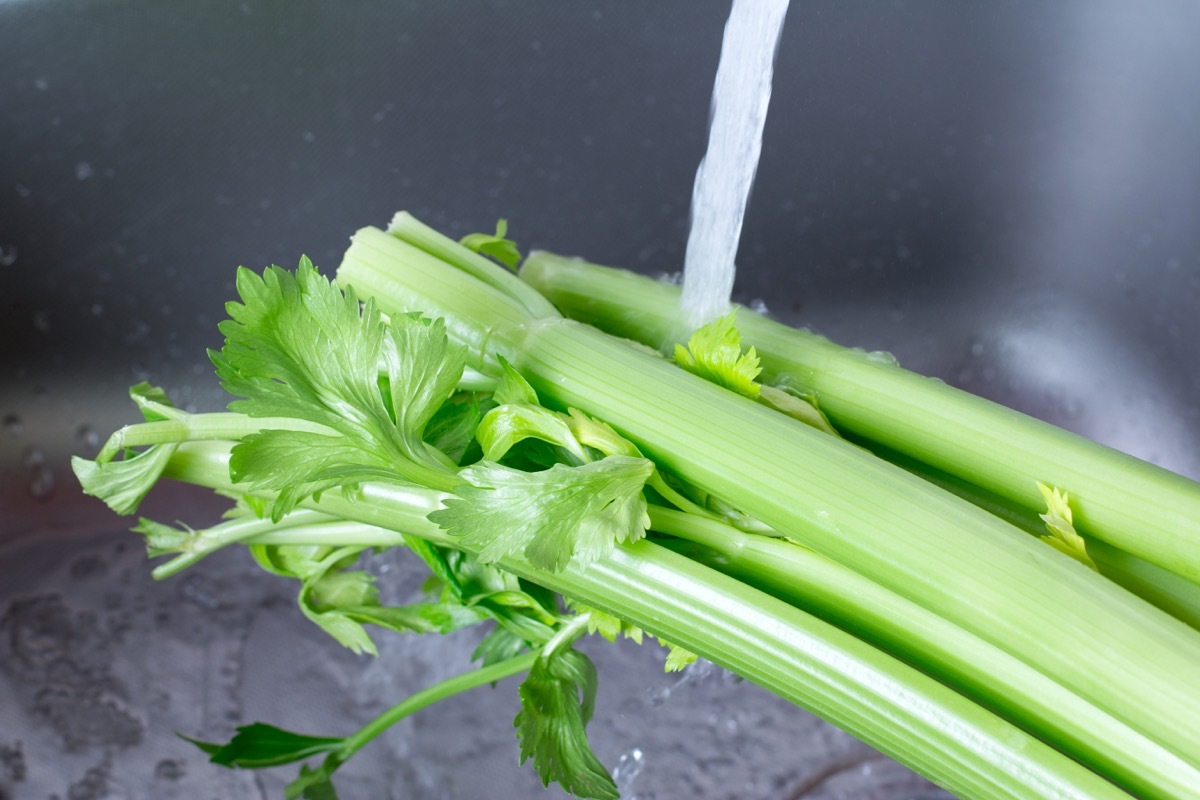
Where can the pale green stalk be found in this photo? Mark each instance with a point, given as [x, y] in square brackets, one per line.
[940, 552]
[890, 706]
[938, 647]
[1135, 506]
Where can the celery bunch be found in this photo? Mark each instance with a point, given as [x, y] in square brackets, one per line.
[558, 482]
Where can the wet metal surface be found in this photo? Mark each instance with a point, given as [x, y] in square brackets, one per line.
[1004, 196]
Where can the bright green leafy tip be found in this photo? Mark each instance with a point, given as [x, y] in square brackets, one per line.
[557, 698]
[606, 624]
[1059, 521]
[494, 246]
[123, 484]
[714, 352]
[512, 387]
[677, 657]
[552, 515]
[297, 346]
[261, 745]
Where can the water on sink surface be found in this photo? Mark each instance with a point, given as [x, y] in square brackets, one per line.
[100, 667]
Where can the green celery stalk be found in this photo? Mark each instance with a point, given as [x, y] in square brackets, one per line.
[889, 705]
[1135, 506]
[927, 545]
[1173, 593]
[1034, 701]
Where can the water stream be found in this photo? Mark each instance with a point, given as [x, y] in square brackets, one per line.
[741, 92]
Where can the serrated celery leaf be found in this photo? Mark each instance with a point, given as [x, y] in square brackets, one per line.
[714, 352]
[1060, 523]
[677, 657]
[297, 346]
[552, 515]
[299, 464]
[557, 698]
[123, 484]
[499, 645]
[261, 745]
[606, 624]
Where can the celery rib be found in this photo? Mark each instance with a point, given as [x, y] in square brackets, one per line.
[980, 670]
[889, 705]
[1112, 649]
[1138, 507]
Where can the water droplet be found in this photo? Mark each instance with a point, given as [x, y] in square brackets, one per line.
[41, 322]
[200, 591]
[87, 438]
[629, 766]
[41, 84]
[97, 309]
[41, 482]
[83, 171]
[309, 137]
[23, 191]
[882, 357]
[33, 457]
[977, 348]
[759, 306]
[8, 255]
[169, 769]
[13, 424]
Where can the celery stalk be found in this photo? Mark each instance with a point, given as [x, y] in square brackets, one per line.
[1009, 687]
[891, 706]
[935, 549]
[1135, 506]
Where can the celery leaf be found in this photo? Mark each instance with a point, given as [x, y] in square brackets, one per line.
[551, 515]
[261, 745]
[506, 425]
[557, 698]
[513, 388]
[606, 624]
[1060, 524]
[122, 484]
[297, 346]
[714, 352]
[494, 246]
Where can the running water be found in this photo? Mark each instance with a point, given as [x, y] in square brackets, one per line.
[739, 110]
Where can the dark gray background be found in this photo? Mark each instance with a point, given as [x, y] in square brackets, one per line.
[1005, 195]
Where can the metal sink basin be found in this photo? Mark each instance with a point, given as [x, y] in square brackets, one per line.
[1005, 196]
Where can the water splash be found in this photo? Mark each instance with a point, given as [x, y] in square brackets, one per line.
[741, 93]
[629, 766]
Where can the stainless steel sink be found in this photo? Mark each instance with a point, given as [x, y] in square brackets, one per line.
[1006, 196]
